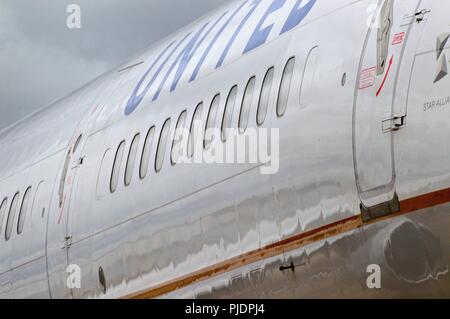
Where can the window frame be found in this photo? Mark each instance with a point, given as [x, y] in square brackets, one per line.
[176, 143]
[216, 103]
[62, 182]
[77, 143]
[23, 211]
[129, 170]
[146, 152]
[3, 206]
[246, 104]
[161, 153]
[116, 167]
[197, 115]
[10, 220]
[266, 87]
[282, 86]
[227, 111]
[38, 204]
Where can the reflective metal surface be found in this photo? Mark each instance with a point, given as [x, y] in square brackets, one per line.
[186, 218]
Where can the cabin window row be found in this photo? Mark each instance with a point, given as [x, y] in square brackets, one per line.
[226, 123]
[9, 209]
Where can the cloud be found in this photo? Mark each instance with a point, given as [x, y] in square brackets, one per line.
[41, 60]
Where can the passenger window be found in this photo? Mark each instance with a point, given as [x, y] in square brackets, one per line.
[285, 86]
[161, 149]
[145, 158]
[23, 210]
[131, 159]
[211, 121]
[11, 215]
[38, 206]
[386, 21]
[77, 143]
[104, 174]
[193, 131]
[246, 105]
[62, 182]
[264, 97]
[116, 167]
[2, 212]
[178, 138]
[228, 112]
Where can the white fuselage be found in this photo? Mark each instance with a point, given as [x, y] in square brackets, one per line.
[361, 100]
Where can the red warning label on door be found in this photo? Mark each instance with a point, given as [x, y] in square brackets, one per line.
[367, 78]
[398, 38]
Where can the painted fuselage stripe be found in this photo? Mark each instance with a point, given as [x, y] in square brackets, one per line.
[406, 207]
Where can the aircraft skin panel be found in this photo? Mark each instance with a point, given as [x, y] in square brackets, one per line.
[359, 176]
[45, 132]
[337, 267]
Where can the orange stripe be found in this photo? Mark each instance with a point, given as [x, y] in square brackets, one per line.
[292, 243]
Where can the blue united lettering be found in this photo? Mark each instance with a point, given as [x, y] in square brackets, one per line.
[178, 56]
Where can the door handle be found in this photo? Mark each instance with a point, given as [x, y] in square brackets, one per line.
[393, 124]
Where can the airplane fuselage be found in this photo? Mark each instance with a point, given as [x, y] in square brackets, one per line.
[356, 94]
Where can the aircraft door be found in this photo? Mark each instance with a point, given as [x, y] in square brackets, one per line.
[78, 157]
[59, 231]
[391, 40]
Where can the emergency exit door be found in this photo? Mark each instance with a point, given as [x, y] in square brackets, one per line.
[391, 39]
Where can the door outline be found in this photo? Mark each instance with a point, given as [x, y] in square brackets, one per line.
[76, 159]
[371, 198]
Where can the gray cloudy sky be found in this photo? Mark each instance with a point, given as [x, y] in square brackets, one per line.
[42, 60]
